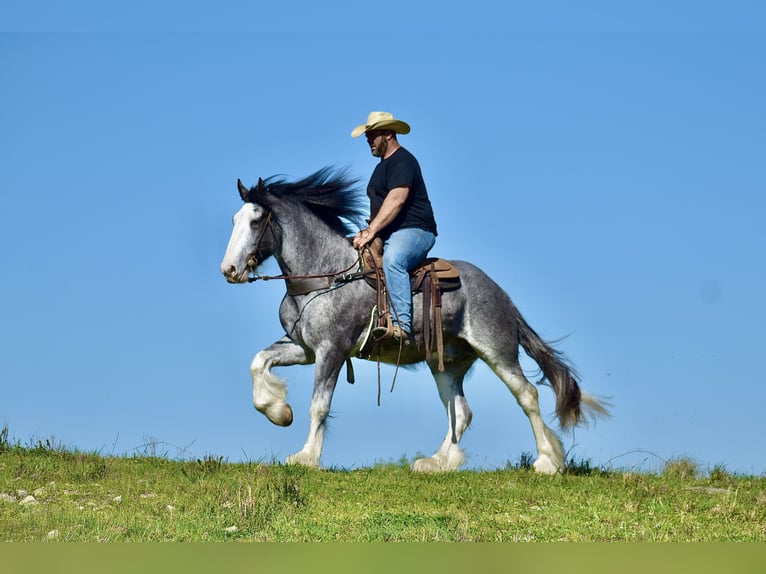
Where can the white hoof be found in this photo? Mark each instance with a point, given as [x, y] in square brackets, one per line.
[302, 458]
[431, 464]
[544, 465]
[280, 414]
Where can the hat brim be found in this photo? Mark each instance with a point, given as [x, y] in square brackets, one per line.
[396, 126]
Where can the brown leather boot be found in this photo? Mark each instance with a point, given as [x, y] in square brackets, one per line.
[400, 334]
[393, 332]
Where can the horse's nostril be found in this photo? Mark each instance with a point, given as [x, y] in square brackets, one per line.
[231, 271]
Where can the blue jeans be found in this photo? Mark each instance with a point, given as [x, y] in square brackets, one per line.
[402, 252]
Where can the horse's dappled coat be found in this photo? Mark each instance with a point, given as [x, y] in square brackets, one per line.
[304, 225]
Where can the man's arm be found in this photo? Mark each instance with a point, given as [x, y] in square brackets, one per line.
[391, 207]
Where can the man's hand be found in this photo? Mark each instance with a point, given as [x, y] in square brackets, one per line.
[362, 238]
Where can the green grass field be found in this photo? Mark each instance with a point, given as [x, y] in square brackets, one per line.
[49, 493]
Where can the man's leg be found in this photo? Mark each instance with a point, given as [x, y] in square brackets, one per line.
[403, 251]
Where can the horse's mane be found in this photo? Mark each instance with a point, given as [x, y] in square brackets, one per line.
[330, 194]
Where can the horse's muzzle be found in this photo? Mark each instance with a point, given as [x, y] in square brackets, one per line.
[233, 276]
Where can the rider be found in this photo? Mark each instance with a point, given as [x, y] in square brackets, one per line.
[400, 213]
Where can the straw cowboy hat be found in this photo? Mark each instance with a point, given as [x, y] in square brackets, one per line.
[381, 121]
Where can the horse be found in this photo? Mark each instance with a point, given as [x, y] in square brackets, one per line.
[305, 225]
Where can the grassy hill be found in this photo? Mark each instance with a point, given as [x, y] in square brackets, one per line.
[50, 493]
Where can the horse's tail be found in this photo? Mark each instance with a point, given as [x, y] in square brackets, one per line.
[561, 376]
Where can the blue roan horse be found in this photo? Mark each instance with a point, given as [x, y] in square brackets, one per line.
[305, 226]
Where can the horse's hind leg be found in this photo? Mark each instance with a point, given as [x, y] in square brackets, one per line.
[269, 391]
[550, 453]
[450, 385]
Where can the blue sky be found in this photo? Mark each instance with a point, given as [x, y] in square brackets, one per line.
[604, 163]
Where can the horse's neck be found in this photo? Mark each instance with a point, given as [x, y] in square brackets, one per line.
[315, 250]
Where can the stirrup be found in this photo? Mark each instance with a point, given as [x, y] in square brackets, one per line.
[369, 339]
[391, 331]
[382, 332]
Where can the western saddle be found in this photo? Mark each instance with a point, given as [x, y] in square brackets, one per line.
[431, 276]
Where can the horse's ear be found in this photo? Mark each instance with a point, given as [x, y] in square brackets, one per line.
[243, 191]
[261, 186]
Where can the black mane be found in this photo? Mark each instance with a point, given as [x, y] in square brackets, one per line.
[329, 193]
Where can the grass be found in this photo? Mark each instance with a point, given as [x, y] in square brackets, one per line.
[87, 497]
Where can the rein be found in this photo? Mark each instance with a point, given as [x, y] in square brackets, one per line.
[298, 284]
[302, 284]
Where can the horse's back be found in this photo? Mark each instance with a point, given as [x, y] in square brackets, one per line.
[475, 282]
[480, 299]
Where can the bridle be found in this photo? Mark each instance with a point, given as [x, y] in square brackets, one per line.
[298, 284]
[252, 258]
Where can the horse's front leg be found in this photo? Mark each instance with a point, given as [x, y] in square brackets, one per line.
[328, 365]
[269, 391]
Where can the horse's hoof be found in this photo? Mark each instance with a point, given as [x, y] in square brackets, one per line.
[302, 459]
[545, 465]
[428, 465]
[280, 414]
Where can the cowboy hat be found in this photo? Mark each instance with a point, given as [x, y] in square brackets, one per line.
[381, 121]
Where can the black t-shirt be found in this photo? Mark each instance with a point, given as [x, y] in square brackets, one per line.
[401, 169]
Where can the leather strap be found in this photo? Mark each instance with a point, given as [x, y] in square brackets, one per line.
[301, 286]
[427, 294]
